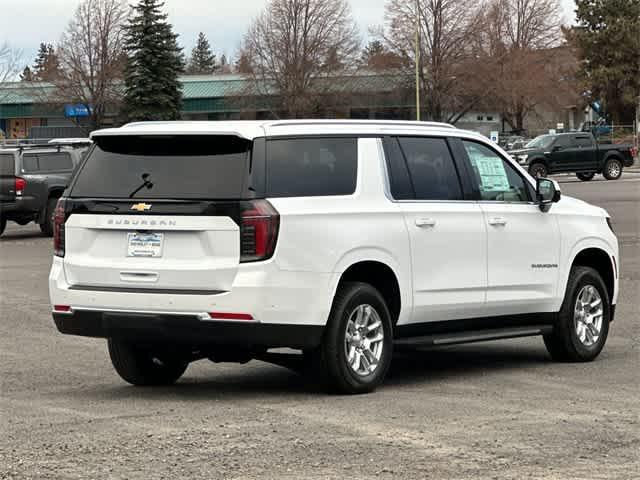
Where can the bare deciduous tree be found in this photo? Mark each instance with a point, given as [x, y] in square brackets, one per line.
[292, 43]
[92, 57]
[9, 65]
[514, 40]
[444, 27]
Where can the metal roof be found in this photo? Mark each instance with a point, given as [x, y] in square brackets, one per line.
[217, 86]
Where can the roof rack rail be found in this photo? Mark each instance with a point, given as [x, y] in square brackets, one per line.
[287, 123]
[26, 146]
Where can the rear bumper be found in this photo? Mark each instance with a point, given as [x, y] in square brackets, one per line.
[185, 329]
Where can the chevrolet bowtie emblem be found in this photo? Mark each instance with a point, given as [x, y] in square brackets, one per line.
[141, 207]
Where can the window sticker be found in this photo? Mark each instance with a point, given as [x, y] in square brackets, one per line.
[493, 176]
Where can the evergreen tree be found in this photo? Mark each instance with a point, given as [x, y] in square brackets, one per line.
[608, 39]
[47, 65]
[26, 75]
[154, 63]
[203, 60]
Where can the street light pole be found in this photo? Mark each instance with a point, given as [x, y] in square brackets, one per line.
[418, 60]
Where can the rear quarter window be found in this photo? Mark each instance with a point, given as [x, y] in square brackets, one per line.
[311, 167]
[7, 164]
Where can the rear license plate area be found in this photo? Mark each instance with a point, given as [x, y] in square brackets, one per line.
[145, 244]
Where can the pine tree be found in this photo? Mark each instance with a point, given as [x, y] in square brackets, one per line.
[608, 39]
[47, 65]
[203, 60]
[154, 62]
[26, 75]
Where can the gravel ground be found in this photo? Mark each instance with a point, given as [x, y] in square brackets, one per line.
[485, 411]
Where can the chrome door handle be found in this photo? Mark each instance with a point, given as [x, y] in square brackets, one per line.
[497, 221]
[425, 222]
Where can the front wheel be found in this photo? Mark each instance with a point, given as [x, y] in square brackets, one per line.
[356, 350]
[538, 170]
[585, 177]
[612, 169]
[143, 366]
[583, 321]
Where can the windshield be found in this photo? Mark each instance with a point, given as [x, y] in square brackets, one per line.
[543, 141]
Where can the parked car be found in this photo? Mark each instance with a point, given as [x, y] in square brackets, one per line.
[221, 240]
[32, 178]
[575, 153]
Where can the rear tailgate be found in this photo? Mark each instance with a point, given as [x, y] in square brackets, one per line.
[158, 214]
[190, 254]
[7, 177]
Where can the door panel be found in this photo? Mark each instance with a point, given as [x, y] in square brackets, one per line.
[449, 257]
[523, 258]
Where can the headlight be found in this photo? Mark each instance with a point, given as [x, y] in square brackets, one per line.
[522, 158]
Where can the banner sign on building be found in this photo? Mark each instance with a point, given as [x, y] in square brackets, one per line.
[76, 110]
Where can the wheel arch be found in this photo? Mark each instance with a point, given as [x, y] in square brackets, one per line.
[599, 257]
[380, 270]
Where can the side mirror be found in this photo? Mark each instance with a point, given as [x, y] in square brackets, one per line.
[557, 148]
[547, 193]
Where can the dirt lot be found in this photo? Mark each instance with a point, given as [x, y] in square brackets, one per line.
[485, 411]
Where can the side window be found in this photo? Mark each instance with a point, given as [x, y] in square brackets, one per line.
[563, 141]
[29, 163]
[495, 178]
[433, 173]
[54, 162]
[311, 167]
[7, 165]
[583, 142]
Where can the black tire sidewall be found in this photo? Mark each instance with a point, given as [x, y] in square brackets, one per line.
[581, 277]
[538, 166]
[3, 225]
[135, 365]
[605, 171]
[47, 226]
[342, 376]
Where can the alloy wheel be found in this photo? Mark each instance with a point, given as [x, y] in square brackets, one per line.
[364, 340]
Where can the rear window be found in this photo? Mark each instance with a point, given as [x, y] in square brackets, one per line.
[7, 164]
[47, 162]
[311, 167]
[171, 167]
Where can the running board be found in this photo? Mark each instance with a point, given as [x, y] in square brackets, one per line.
[472, 336]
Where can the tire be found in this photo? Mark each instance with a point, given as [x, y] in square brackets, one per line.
[538, 170]
[585, 176]
[143, 367]
[565, 343]
[356, 304]
[612, 169]
[46, 227]
[3, 225]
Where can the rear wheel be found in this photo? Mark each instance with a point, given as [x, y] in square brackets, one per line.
[585, 176]
[46, 227]
[583, 321]
[612, 169]
[357, 346]
[3, 225]
[143, 366]
[538, 170]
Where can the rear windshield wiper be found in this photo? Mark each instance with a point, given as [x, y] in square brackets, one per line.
[145, 184]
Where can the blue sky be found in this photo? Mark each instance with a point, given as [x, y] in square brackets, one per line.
[26, 23]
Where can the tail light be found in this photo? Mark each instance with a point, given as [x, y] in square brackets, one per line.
[59, 217]
[20, 184]
[634, 151]
[258, 230]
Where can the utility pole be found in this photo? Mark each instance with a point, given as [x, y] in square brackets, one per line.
[418, 60]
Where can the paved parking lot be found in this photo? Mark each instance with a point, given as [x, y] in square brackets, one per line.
[495, 410]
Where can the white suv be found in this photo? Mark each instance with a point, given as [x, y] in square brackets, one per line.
[181, 241]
